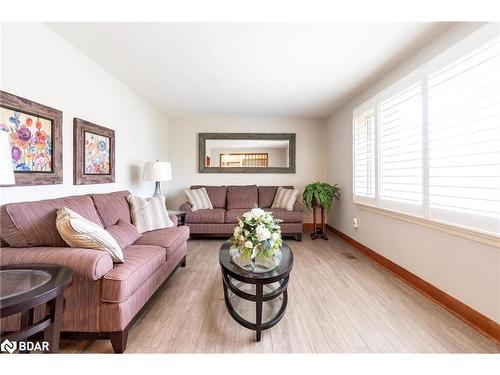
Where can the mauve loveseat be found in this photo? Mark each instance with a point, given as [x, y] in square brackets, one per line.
[231, 202]
[104, 298]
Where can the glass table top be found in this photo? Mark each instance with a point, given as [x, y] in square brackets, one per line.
[16, 282]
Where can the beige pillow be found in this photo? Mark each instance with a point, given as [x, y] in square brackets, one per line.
[199, 199]
[285, 198]
[77, 231]
[149, 213]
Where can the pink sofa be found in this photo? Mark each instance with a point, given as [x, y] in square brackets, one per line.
[230, 202]
[104, 298]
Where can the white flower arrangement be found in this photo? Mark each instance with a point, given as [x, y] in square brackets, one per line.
[257, 237]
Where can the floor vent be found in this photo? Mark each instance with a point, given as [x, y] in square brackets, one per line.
[349, 255]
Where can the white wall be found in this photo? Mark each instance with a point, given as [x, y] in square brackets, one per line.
[183, 149]
[467, 270]
[39, 65]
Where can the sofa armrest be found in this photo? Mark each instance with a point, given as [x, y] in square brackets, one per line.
[298, 206]
[174, 219]
[186, 206]
[87, 264]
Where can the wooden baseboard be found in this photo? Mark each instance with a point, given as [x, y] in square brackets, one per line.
[473, 318]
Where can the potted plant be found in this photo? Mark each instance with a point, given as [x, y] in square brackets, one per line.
[320, 194]
[256, 241]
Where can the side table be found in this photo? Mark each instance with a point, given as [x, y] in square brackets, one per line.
[26, 286]
[181, 215]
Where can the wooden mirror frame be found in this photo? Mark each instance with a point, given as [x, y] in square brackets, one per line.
[204, 137]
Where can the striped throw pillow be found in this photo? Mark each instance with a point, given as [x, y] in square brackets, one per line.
[199, 199]
[149, 213]
[285, 198]
[77, 231]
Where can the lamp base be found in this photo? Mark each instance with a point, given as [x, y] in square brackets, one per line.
[157, 192]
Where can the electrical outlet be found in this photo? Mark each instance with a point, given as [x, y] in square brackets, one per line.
[355, 222]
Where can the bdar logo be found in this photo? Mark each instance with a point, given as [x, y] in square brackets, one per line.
[8, 346]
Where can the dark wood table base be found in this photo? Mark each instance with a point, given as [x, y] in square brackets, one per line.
[279, 275]
[258, 298]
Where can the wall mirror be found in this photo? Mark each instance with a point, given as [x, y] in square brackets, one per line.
[246, 152]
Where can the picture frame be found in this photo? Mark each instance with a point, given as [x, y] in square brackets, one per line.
[36, 140]
[93, 153]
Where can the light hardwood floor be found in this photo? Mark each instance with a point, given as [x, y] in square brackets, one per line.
[336, 305]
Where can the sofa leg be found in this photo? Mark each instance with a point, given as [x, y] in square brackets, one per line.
[119, 340]
[298, 237]
[183, 264]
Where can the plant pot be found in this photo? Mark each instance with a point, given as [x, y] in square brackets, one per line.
[315, 203]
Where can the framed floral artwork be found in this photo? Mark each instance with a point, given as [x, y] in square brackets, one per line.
[93, 153]
[35, 134]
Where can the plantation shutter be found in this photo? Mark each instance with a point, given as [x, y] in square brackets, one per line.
[464, 139]
[364, 155]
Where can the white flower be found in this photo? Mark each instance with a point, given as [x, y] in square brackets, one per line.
[249, 245]
[257, 213]
[248, 215]
[275, 236]
[262, 233]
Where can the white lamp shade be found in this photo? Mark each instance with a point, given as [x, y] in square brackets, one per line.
[157, 171]
[6, 171]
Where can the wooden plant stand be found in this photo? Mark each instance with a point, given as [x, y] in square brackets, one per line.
[319, 229]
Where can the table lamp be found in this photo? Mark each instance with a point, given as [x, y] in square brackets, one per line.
[6, 171]
[157, 171]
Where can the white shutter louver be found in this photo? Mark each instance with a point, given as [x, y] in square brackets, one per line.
[364, 156]
[400, 145]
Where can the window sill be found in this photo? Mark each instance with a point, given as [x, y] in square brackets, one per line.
[464, 232]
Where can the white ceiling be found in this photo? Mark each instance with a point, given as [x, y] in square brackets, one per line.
[288, 69]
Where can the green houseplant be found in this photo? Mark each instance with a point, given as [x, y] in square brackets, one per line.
[320, 193]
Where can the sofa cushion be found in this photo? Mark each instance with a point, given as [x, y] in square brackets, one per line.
[168, 238]
[80, 232]
[285, 198]
[112, 207]
[214, 215]
[198, 199]
[124, 233]
[267, 194]
[287, 216]
[232, 215]
[37, 220]
[217, 194]
[141, 262]
[149, 213]
[278, 213]
[241, 197]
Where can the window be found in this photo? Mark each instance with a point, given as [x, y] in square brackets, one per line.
[429, 145]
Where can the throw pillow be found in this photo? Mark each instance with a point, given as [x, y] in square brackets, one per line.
[149, 213]
[199, 199]
[285, 198]
[77, 231]
[124, 233]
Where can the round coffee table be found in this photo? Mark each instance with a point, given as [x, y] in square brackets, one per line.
[26, 286]
[267, 290]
